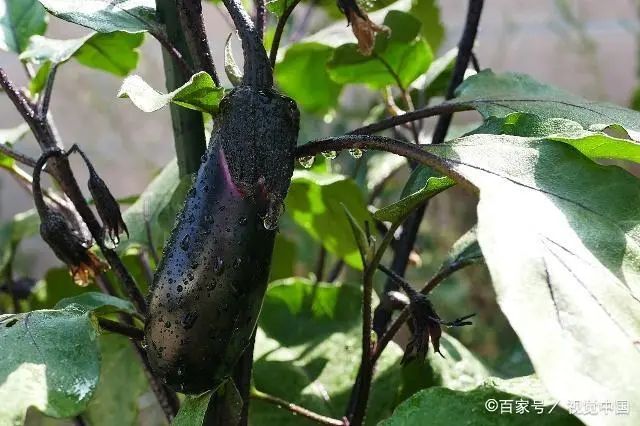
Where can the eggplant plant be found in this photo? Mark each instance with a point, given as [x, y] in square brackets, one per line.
[248, 283]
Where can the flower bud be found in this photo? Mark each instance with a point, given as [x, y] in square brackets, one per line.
[107, 207]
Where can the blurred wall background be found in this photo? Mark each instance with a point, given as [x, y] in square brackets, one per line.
[585, 46]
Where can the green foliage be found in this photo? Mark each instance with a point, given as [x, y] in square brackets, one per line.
[397, 59]
[465, 251]
[51, 359]
[423, 184]
[122, 382]
[23, 225]
[192, 410]
[116, 53]
[19, 20]
[315, 204]
[446, 407]
[303, 328]
[328, 59]
[558, 241]
[107, 16]
[199, 93]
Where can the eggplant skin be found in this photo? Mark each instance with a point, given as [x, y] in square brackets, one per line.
[208, 290]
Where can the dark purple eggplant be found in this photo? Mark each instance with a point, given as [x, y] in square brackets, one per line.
[209, 287]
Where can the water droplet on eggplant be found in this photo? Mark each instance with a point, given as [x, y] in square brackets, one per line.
[306, 162]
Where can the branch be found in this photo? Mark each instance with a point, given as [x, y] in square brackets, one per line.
[443, 108]
[279, 30]
[173, 52]
[296, 409]
[196, 37]
[465, 48]
[17, 156]
[43, 106]
[22, 104]
[124, 329]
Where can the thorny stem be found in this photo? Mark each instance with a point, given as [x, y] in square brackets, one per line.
[196, 37]
[277, 36]
[296, 409]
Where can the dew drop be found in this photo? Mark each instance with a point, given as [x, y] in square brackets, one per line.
[274, 212]
[243, 220]
[203, 159]
[306, 162]
[184, 243]
[180, 372]
[179, 288]
[237, 262]
[167, 324]
[355, 152]
[189, 320]
[330, 155]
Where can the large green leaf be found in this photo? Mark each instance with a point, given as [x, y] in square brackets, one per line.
[502, 94]
[308, 351]
[561, 237]
[315, 203]
[591, 144]
[19, 20]
[199, 93]
[107, 16]
[122, 382]
[50, 361]
[483, 406]
[158, 205]
[115, 52]
[403, 56]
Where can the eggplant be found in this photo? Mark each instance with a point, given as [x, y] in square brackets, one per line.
[209, 286]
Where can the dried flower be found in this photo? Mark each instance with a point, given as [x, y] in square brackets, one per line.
[426, 326]
[107, 207]
[363, 28]
[69, 247]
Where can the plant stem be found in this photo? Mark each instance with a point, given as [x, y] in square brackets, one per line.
[273, 55]
[196, 37]
[388, 123]
[188, 125]
[17, 156]
[410, 232]
[261, 13]
[296, 409]
[124, 329]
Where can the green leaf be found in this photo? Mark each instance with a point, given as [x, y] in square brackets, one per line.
[122, 382]
[9, 137]
[199, 93]
[303, 326]
[591, 144]
[192, 410]
[107, 16]
[423, 184]
[21, 226]
[304, 63]
[502, 94]
[50, 361]
[446, 407]
[158, 205]
[277, 7]
[56, 285]
[98, 303]
[457, 369]
[284, 256]
[428, 11]
[306, 60]
[116, 52]
[37, 83]
[19, 20]
[465, 251]
[358, 235]
[315, 201]
[561, 237]
[403, 55]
